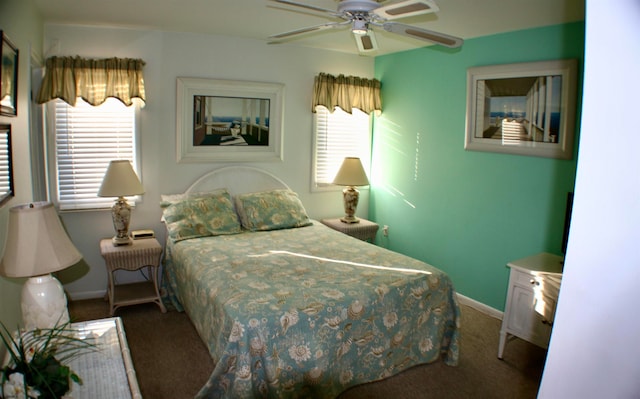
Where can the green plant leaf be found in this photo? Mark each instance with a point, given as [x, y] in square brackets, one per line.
[40, 355]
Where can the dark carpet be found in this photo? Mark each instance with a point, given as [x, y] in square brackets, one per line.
[172, 362]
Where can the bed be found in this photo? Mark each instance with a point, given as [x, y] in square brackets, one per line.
[289, 308]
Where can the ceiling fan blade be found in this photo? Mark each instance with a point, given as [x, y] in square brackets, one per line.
[407, 8]
[287, 35]
[423, 34]
[308, 7]
[366, 42]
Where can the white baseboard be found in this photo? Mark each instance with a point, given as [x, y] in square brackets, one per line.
[480, 307]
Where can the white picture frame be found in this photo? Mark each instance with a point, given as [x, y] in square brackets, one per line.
[524, 109]
[192, 145]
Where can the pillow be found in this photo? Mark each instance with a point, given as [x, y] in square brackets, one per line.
[271, 210]
[168, 199]
[211, 215]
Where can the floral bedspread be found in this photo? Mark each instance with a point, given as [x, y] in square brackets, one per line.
[309, 312]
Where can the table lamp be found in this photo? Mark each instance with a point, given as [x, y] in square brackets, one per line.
[351, 174]
[120, 181]
[38, 245]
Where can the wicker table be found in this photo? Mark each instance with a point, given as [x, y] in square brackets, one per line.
[142, 253]
[107, 373]
[364, 230]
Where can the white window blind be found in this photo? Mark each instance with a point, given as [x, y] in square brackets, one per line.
[339, 135]
[5, 167]
[86, 139]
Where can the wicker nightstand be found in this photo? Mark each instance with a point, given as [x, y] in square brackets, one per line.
[364, 230]
[142, 253]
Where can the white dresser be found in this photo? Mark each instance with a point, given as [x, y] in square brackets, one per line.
[534, 283]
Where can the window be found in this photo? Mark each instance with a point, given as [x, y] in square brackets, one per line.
[339, 135]
[84, 139]
[6, 164]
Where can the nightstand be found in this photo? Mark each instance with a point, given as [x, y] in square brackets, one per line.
[364, 230]
[140, 254]
[534, 285]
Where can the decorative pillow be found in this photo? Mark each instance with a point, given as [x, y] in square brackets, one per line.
[168, 199]
[211, 215]
[271, 210]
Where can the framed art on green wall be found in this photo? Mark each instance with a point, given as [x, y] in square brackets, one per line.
[525, 109]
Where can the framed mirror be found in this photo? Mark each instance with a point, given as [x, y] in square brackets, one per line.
[228, 121]
[6, 165]
[8, 77]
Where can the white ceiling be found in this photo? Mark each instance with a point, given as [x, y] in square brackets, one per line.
[258, 19]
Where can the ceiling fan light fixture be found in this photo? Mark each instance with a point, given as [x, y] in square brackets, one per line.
[366, 43]
[359, 27]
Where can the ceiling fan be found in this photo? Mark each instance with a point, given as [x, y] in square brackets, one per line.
[362, 15]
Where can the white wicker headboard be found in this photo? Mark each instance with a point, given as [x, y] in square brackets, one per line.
[238, 180]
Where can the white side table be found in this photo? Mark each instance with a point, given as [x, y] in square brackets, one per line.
[534, 285]
[142, 253]
[364, 230]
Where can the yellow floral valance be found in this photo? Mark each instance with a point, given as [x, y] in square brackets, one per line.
[346, 92]
[94, 81]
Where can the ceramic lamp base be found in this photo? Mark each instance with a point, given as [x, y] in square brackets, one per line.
[117, 241]
[350, 195]
[121, 216]
[44, 304]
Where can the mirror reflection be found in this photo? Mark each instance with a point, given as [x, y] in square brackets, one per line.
[230, 121]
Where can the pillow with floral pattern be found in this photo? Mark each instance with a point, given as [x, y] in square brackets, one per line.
[271, 210]
[201, 217]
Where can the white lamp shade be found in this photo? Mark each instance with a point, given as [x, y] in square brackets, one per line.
[37, 243]
[351, 173]
[120, 180]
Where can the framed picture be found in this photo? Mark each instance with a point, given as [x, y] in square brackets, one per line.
[524, 109]
[8, 77]
[228, 120]
[6, 165]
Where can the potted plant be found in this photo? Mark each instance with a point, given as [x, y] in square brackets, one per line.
[36, 367]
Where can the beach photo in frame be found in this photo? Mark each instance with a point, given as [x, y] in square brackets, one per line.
[8, 77]
[524, 109]
[228, 120]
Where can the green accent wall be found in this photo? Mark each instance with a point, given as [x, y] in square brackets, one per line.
[465, 212]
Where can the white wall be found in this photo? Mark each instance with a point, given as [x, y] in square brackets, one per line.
[22, 24]
[594, 351]
[169, 55]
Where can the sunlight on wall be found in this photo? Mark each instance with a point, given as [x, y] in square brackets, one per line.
[416, 169]
[392, 139]
[435, 196]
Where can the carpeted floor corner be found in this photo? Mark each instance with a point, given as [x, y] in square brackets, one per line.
[172, 362]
